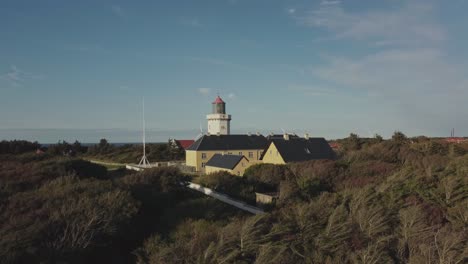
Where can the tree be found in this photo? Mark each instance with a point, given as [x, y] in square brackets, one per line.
[352, 142]
[399, 137]
[378, 138]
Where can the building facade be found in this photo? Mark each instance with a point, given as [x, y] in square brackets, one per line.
[204, 148]
[295, 149]
[234, 164]
[219, 123]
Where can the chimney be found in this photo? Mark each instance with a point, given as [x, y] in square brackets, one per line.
[306, 136]
[248, 133]
[286, 136]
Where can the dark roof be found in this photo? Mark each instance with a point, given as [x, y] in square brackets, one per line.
[280, 136]
[229, 142]
[224, 161]
[301, 149]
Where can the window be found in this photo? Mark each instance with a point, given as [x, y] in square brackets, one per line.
[250, 154]
[203, 165]
[203, 155]
[229, 153]
[238, 173]
[240, 153]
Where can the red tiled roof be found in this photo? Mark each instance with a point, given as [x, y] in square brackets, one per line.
[218, 100]
[455, 139]
[185, 143]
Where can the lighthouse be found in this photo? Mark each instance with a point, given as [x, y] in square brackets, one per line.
[219, 123]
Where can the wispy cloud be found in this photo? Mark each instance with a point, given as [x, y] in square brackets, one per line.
[411, 24]
[118, 11]
[311, 90]
[204, 91]
[291, 11]
[415, 80]
[191, 22]
[232, 96]
[16, 77]
[225, 63]
[330, 2]
[83, 47]
[409, 71]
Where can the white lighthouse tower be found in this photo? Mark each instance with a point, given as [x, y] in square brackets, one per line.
[219, 123]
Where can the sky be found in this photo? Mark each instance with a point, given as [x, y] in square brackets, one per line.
[79, 70]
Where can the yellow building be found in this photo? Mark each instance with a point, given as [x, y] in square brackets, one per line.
[204, 148]
[234, 164]
[296, 149]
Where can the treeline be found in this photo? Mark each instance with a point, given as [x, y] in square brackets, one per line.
[382, 201]
[131, 153]
[17, 146]
[128, 153]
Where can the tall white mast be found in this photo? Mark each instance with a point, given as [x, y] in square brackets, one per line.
[144, 160]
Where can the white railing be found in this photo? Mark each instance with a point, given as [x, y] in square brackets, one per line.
[225, 198]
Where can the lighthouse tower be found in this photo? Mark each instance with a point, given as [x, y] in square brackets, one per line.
[219, 123]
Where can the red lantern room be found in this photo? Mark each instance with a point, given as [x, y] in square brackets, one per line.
[219, 106]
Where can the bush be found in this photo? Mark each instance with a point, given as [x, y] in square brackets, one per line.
[229, 184]
[267, 177]
[65, 217]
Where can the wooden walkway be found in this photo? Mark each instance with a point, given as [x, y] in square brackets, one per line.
[225, 198]
[207, 191]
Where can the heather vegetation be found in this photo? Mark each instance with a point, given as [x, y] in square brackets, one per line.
[131, 153]
[61, 209]
[382, 201]
[402, 200]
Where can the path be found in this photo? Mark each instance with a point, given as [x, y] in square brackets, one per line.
[224, 198]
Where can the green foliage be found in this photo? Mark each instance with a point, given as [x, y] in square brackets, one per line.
[131, 153]
[224, 182]
[267, 177]
[399, 137]
[18, 146]
[352, 142]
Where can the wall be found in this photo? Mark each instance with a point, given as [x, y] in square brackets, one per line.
[219, 123]
[273, 156]
[194, 158]
[238, 170]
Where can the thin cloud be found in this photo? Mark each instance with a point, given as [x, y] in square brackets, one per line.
[412, 24]
[191, 22]
[204, 91]
[16, 77]
[329, 2]
[118, 11]
[225, 63]
[83, 47]
[413, 81]
[311, 90]
[232, 96]
[291, 11]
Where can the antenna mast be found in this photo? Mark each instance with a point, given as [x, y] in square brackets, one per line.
[144, 160]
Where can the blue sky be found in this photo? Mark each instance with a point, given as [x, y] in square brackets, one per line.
[79, 69]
